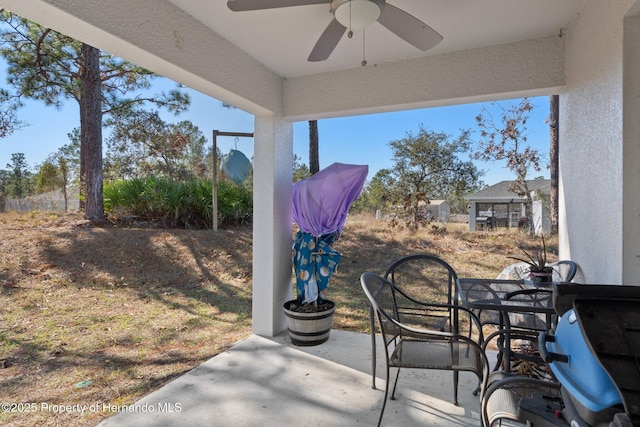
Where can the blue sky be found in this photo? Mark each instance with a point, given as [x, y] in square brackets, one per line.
[357, 139]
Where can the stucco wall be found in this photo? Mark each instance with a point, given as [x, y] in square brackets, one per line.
[590, 129]
[631, 153]
[534, 67]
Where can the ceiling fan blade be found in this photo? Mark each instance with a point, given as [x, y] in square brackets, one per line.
[244, 5]
[327, 42]
[409, 28]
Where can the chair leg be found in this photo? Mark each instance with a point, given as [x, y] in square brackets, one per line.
[498, 365]
[384, 401]
[456, 375]
[373, 348]
[395, 383]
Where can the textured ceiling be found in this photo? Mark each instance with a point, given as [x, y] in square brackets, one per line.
[281, 39]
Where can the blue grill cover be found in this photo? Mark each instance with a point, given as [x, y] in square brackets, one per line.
[582, 376]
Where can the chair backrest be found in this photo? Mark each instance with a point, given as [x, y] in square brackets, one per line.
[425, 278]
[395, 310]
[382, 297]
[564, 270]
[419, 346]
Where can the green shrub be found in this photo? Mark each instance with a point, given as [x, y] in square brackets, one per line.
[186, 204]
[235, 203]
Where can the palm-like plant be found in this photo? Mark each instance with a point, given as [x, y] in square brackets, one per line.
[537, 261]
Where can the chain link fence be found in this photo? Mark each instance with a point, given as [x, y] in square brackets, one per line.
[51, 201]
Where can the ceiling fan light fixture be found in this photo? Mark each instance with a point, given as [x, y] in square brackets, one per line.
[356, 14]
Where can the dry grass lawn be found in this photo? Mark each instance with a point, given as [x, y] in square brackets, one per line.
[92, 315]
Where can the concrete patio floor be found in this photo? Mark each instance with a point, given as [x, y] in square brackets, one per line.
[270, 382]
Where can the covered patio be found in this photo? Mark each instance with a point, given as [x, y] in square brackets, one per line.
[268, 382]
[584, 50]
[587, 51]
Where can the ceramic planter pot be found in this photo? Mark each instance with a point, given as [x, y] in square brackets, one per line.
[541, 276]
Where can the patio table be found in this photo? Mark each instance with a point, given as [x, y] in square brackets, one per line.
[518, 303]
[513, 296]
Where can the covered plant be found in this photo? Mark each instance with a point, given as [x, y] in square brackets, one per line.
[320, 206]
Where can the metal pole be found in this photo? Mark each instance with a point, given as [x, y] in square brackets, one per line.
[214, 182]
[214, 178]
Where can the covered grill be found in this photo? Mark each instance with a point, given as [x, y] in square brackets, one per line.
[595, 354]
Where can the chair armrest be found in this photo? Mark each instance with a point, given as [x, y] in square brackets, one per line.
[457, 308]
[453, 307]
[433, 334]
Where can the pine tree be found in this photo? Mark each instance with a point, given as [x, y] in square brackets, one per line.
[53, 68]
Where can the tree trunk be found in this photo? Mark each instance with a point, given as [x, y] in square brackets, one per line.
[314, 155]
[554, 141]
[64, 172]
[91, 134]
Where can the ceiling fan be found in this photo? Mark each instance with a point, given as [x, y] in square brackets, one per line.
[353, 14]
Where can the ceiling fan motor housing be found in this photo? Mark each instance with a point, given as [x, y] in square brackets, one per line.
[357, 14]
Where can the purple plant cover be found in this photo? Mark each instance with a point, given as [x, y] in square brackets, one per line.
[320, 206]
[321, 202]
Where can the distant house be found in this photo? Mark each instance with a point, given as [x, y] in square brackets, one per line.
[438, 210]
[497, 206]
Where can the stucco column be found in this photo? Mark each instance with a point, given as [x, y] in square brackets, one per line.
[272, 195]
[591, 143]
[631, 149]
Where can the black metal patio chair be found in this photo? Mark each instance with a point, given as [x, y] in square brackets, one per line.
[428, 279]
[409, 345]
[524, 328]
[514, 400]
